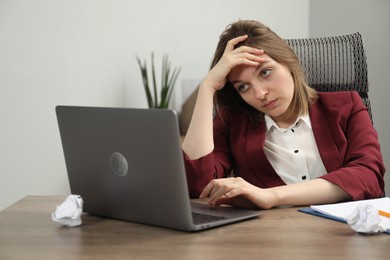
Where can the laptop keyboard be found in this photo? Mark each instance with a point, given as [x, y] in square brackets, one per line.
[200, 218]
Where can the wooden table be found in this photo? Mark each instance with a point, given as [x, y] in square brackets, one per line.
[27, 232]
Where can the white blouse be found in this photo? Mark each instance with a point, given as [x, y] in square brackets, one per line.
[293, 151]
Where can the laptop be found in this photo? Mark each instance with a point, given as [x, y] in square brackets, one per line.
[127, 164]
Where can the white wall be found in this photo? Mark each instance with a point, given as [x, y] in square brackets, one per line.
[372, 19]
[82, 52]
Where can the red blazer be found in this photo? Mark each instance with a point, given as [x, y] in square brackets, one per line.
[346, 139]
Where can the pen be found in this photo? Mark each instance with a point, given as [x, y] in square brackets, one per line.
[384, 213]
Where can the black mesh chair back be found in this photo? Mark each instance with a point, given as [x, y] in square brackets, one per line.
[334, 64]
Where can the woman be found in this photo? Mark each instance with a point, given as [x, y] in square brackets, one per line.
[284, 143]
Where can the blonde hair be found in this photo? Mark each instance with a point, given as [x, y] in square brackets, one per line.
[262, 37]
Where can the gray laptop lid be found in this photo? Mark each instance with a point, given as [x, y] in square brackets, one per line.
[127, 164]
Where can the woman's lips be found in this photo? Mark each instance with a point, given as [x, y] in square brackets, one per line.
[270, 104]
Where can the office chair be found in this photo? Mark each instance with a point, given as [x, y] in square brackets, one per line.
[334, 64]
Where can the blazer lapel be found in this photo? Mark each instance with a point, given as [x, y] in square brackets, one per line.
[257, 158]
[323, 135]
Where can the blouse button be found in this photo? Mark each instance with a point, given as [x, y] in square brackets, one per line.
[296, 151]
[304, 177]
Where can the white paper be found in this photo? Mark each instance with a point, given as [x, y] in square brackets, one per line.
[69, 212]
[345, 209]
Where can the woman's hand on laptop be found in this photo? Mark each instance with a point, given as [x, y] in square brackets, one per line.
[237, 192]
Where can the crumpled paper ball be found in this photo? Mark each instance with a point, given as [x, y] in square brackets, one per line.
[69, 212]
[365, 219]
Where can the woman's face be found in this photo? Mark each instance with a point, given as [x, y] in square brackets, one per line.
[269, 88]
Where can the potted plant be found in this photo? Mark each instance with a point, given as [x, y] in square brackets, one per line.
[168, 80]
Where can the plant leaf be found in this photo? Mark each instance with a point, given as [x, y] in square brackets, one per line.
[172, 82]
[145, 81]
[154, 82]
[168, 80]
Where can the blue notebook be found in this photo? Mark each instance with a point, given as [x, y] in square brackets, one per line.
[317, 213]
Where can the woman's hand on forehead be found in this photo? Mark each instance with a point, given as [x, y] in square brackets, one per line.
[231, 58]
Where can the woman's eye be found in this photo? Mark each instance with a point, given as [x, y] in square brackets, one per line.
[265, 73]
[242, 88]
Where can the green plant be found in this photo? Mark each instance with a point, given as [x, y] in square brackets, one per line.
[168, 80]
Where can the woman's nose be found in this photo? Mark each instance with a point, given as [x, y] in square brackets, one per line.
[260, 91]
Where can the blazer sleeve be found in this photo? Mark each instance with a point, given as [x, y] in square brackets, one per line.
[216, 164]
[361, 170]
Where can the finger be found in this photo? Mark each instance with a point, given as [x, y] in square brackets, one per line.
[218, 193]
[220, 201]
[207, 190]
[227, 201]
[248, 59]
[233, 193]
[212, 191]
[248, 49]
[233, 42]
